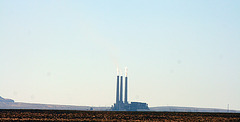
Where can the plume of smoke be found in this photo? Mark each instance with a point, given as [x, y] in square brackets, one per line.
[121, 73]
[126, 71]
[117, 71]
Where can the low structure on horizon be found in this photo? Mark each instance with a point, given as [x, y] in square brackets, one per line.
[125, 106]
[6, 100]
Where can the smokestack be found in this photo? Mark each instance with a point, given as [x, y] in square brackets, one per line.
[126, 88]
[117, 95]
[121, 88]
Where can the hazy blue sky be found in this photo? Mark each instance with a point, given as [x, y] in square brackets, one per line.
[181, 53]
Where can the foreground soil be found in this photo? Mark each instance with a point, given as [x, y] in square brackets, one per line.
[71, 115]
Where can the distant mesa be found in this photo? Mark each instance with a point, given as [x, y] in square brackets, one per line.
[6, 100]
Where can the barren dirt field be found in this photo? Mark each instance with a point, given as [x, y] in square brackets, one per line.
[70, 115]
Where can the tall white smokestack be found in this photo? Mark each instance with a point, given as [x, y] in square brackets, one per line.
[126, 86]
[117, 90]
[121, 87]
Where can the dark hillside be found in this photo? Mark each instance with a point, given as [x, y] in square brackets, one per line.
[71, 115]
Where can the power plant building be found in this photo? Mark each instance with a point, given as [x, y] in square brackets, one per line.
[121, 105]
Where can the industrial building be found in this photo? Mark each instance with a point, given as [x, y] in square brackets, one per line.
[121, 105]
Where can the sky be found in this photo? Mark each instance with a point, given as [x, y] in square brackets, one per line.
[178, 53]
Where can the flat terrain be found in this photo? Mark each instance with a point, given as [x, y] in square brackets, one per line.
[71, 115]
